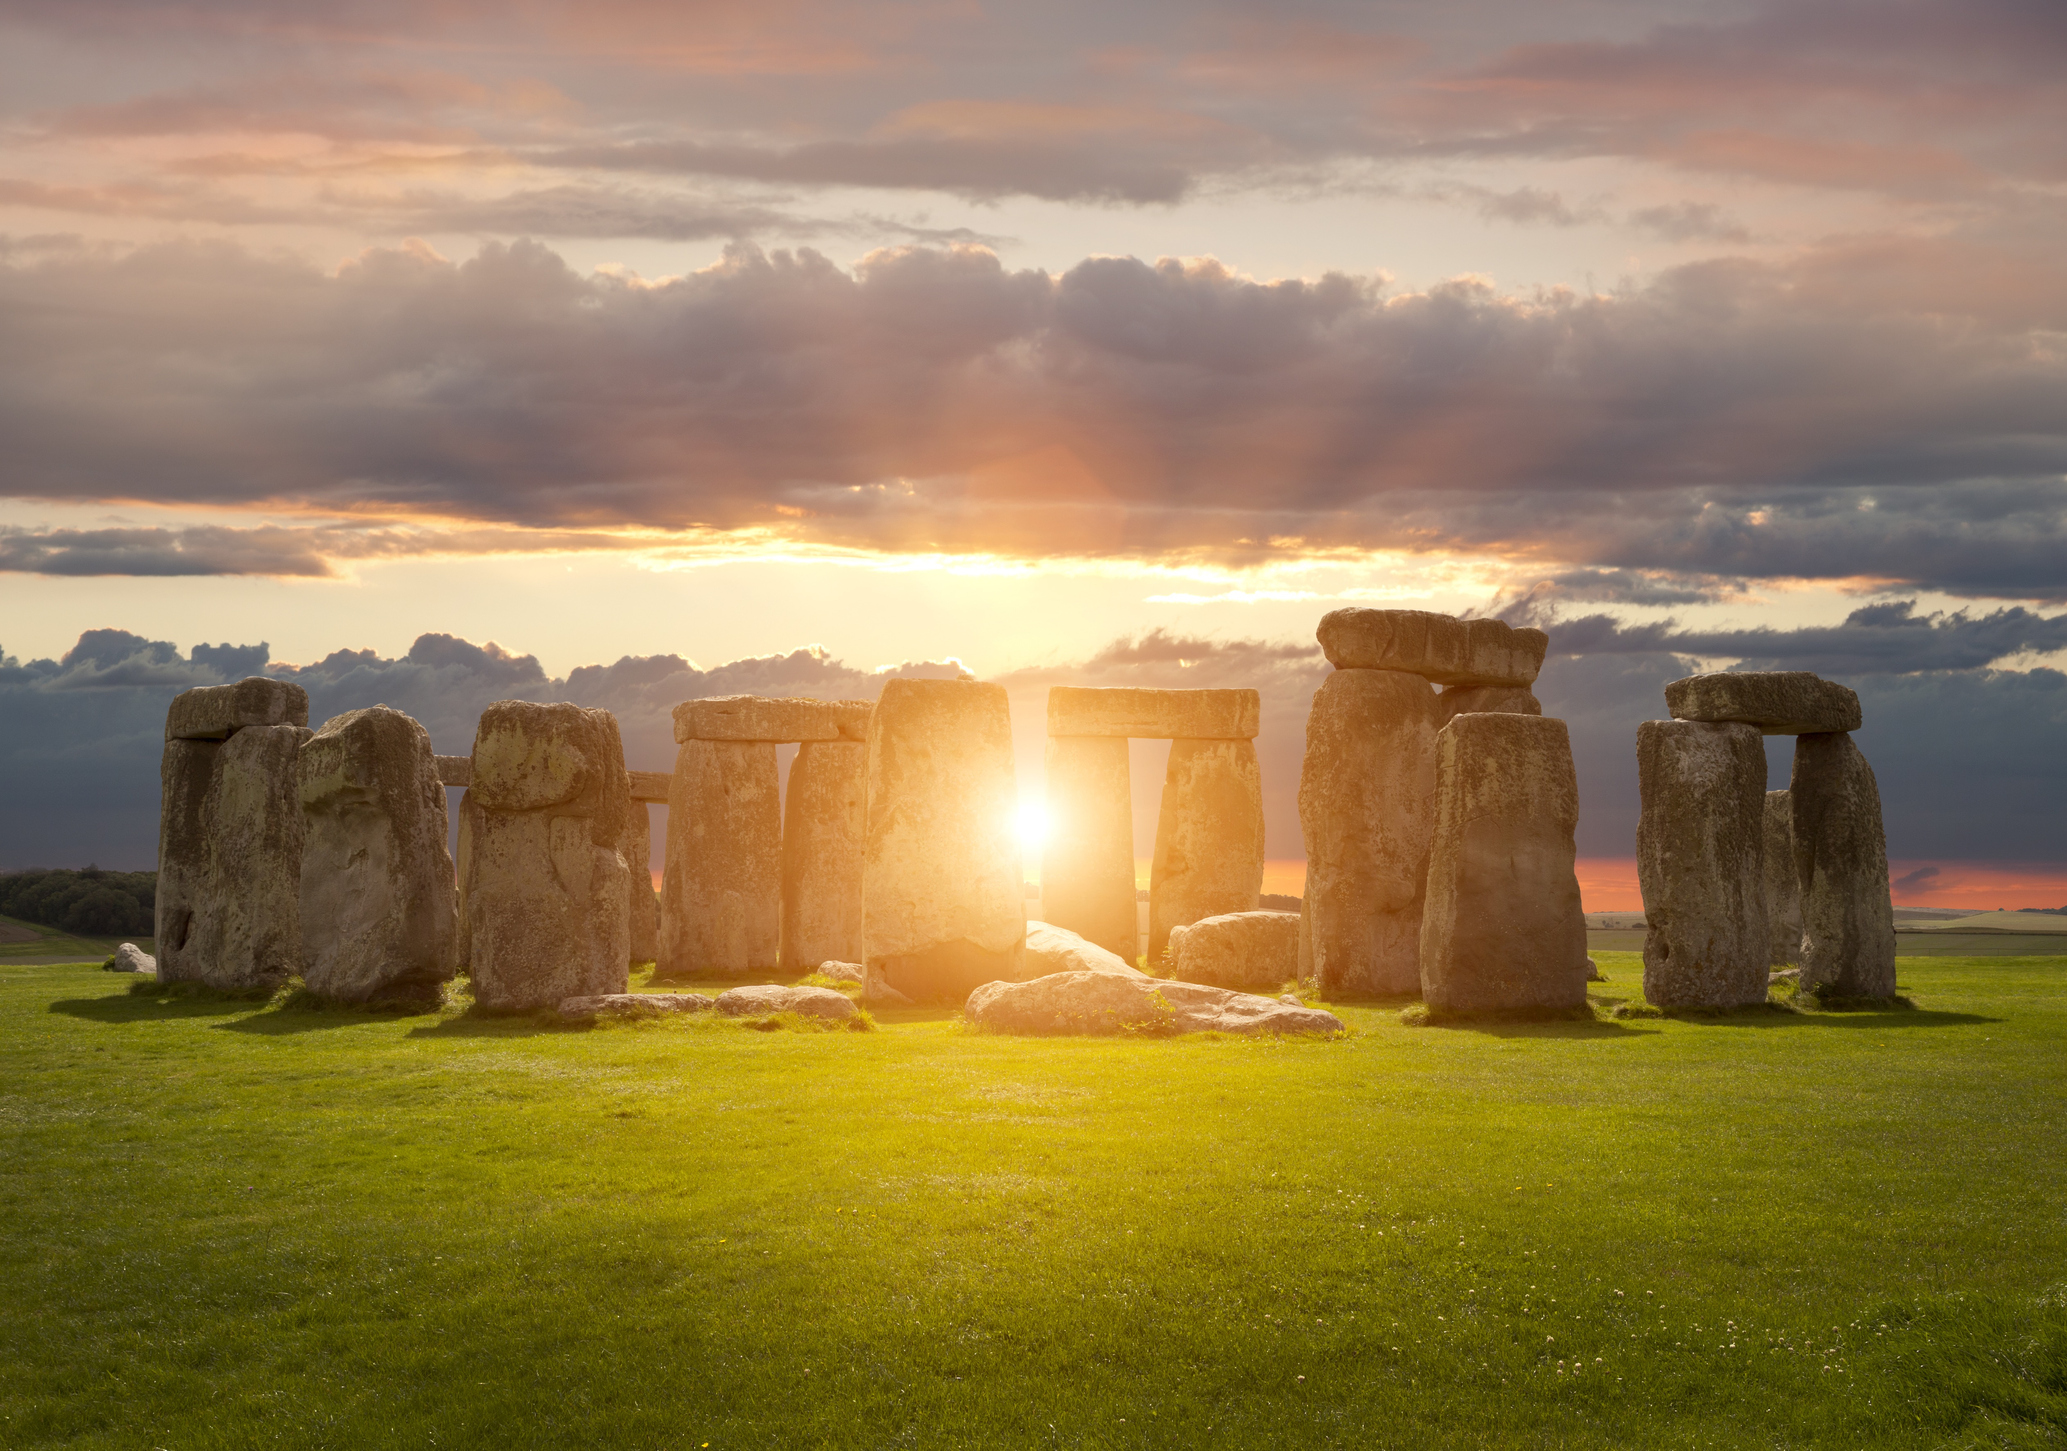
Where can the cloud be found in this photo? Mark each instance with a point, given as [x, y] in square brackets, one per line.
[1913, 882]
[1735, 420]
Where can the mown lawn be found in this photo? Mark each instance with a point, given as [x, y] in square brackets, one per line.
[232, 1225]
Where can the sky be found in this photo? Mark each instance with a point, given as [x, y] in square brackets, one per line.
[1065, 343]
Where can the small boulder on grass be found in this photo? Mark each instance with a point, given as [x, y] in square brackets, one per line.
[843, 971]
[633, 1005]
[131, 958]
[754, 1002]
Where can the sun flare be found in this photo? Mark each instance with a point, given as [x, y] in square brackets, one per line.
[1032, 824]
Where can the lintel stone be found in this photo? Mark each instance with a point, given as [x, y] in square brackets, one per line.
[1147, 714]
[757, 718]
[1778, 702]
[650, 785]
[216, 712]
[455, 771]
[1441, 648]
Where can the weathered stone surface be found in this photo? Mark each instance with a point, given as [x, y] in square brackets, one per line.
[1051, 949]
[1087, 863]
[1841, 864]
[943, 891]
[1700, 853]
[634, 1005]
[1778, 702]
[816, 1002]
[843, 971]
[216, 712]
[1503, 928]
[1367, 809]
[756, 718]
[542, 832]
[1249, 950]
[879, 994]
[1109, 1002]
[456, 771]
[379, 911]
[1209, 837]
[131, 958]
[1149, 714]
[1486, 700]
[642, 904]
[1441, 648]
[228, 910]
[1782, 891]
[651, 786]
[721, 887]
[824, 830]
[852, 717]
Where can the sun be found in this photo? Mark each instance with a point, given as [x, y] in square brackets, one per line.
[1031, 822]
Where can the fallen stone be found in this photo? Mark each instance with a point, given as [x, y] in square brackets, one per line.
[721, 888]
[1593, 972]
[1778, 702]
[756, 718]
[1108, 1003]
[1782, 891]
[1149, 714]
[131, 958]
[456, 771]
[1292, 999]
[1503, 929]
[642, 903]
[1367, 809]
[944, 898]
[1787, 974]
[1051, 949]
[843, 971]
[1700, 863]
[1087, 862]
[879, 994]
[229, 912]
[1209, 837]
[379, 910]
[1841, 863]
[634, 1005]
[816, 1002]
[1238, 950]
[216, 712]
[1459, 700]
[1440, 648]
[542, 833]
[824, 831]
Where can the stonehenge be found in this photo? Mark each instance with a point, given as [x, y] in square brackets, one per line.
[1503, 929]
[944, 902]
[824, 822]
[1209, 835]
[1254, 951]
[377, 896]
[1736, 879]
[1367, 787]
[228, 911]
[1700, 862]
[546, 899]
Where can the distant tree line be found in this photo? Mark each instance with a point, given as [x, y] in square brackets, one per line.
[89, 901]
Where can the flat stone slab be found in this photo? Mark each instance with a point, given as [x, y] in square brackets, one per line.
[649, 785]
[635, 1005]
[817, 1002]
[1238, 950]
[216, 712]
[131, 958]
[1145, 714]
[1105, 1003]
[455, 771]
[759, 718]
[1441, 648]
[1051, 949]
[1778, 702]
[843, 971]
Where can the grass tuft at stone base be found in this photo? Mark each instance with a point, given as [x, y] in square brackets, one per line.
[1421, 1015]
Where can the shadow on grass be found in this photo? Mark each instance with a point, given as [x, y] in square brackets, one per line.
[137, 1008]
[301, 1012]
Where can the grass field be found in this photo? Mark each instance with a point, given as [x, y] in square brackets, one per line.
[233, 1224]
[32, 942]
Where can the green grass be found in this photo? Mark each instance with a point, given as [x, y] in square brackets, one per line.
[48, 944]
[232, 1224]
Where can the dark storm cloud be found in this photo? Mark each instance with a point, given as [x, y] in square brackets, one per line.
[1884, 639]
[1730, 420]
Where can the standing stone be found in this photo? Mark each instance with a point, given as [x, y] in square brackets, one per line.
[1367, 808]
[1783, 892]
[942, 883]
[1841, 863]
[1700, 863]
[547, 913]
[643, 914]
[378, 908]
[721, 911]
[824, 831]
[1503, 928]
[245, 929]
[183, 776]
[1209, 837]
[1087, 864]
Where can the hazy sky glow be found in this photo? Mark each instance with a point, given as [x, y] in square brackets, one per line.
[1699, 333]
